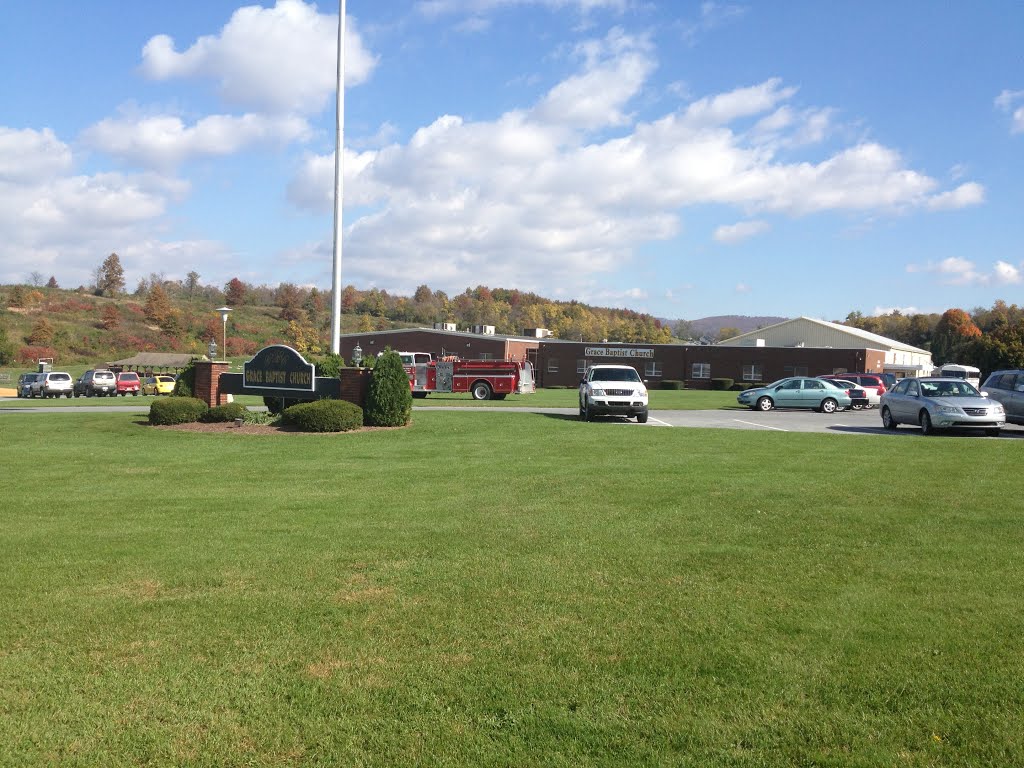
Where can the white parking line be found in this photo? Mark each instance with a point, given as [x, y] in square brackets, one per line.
[658, 421]
[764, 426]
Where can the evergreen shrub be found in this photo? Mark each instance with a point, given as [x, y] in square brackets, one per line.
[185, 384]
[176, 410]
[226, 412]
[325, 416]
[721, 384]
[388, 399]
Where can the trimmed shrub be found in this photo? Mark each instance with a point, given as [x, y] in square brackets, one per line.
[672, 384]
[177, 410]
[185, 384]
[325, 416]
[226, 412]
[388, 399]
[721, 384]
[275, 408]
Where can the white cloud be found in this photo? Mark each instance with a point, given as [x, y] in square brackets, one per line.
[280, 59]
[959, 271]
[743, 230]
[742, 288]
[616, 68]
[961, 197]
[1007, 101]
[164, 141]
[27, 154]
[1006, 274]
[530, 199]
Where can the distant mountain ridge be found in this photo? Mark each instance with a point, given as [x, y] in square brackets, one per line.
[709, 326]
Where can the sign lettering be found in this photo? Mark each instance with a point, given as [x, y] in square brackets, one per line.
[618, 352]
[279, 367]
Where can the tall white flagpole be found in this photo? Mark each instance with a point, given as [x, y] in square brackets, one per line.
[338, 186]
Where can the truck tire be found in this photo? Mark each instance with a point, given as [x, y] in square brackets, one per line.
[481, 390]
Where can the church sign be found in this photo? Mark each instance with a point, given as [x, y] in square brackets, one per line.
[279, 367]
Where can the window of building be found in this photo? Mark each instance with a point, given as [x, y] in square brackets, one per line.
[794, 370]
[837, 371]
[581, 366]
[486, 356]
[701, 371]
[552, 365]
[752, 373]
[652, 368]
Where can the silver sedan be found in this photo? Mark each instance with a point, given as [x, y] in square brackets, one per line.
[938, 403]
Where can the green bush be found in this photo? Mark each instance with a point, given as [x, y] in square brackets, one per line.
[388, 399]
[325, 416]
[672, 384]
[177, 410]
[226, 412]
[185, 385]
[275, 406]
[721, 384]
[329, 365]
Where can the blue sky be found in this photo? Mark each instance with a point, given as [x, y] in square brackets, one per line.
[679, 158]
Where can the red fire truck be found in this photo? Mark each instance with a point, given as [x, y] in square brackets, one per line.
[484, 379]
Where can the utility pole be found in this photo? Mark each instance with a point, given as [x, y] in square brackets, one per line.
[338, 185]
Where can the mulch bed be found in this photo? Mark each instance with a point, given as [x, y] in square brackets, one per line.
[257, 429]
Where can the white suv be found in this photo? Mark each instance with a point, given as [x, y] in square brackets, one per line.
[53, 384]
[613, 390]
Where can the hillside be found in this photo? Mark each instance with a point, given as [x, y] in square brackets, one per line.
[83, 326]
[709, 327]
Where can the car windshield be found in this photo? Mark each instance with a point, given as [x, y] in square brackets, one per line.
[615, 374]
[129, 377]
[948, 389]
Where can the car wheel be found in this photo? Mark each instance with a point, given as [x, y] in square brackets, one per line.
[765, 404]
[994, 432]
[582, 411]
[926, 424]
[481, 391]
[641, 418]
[887, 420]
[828, 405]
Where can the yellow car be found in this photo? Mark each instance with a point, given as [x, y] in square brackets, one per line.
[158, 385]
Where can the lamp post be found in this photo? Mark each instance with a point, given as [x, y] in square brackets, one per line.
[357, 355]
[224, 319]
[212, 349]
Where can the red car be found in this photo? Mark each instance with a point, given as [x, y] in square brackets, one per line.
[128, 383]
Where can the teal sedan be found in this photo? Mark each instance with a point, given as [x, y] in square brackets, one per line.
[796, 392]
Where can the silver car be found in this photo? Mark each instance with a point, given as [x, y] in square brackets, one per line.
[941, 403]
[1007, 387]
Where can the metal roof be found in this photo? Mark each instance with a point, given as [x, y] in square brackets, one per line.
[880, 341]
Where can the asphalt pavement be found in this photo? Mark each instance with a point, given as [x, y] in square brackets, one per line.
[861, 422]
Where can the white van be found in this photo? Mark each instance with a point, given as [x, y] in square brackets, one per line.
[968, 373]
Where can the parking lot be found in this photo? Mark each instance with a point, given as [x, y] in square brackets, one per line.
[860, 422]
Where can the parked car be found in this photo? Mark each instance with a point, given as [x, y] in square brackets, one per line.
[52, 384]
[25, 383]
[872, 383]
[613, 390]
[128, 383]
[941, 403]
[158, 385]
[1007, 388]
[858, 396]
[796, 392]
[99, 382]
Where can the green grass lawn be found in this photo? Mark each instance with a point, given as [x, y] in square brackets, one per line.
[520, 590]
[688, 400]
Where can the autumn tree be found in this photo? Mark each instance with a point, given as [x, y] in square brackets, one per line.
[953, 331]
[8, 352]
[289, 298]
[158, 306]
[191, 284]
[234, 292]
[110, 277]
[42, 333]
[111, 318]
[52, 282]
